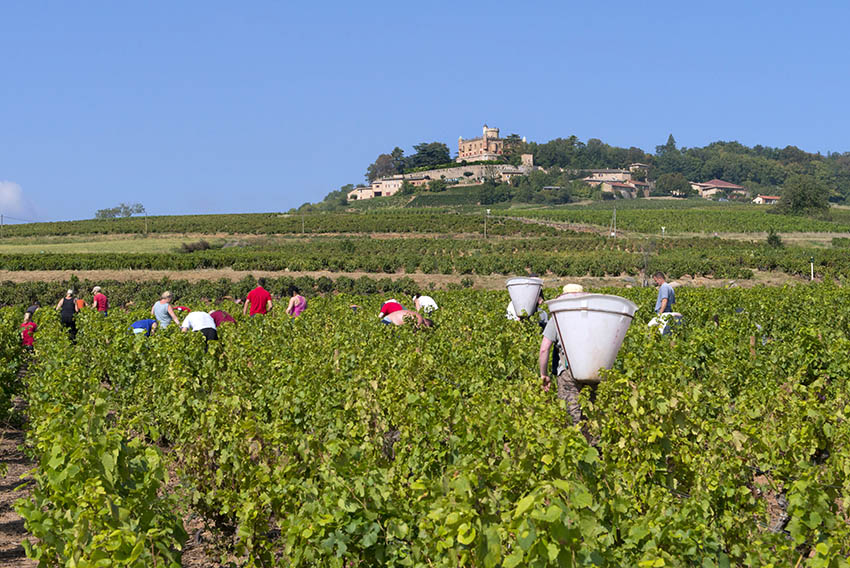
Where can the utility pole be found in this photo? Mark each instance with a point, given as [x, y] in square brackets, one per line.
[1, 225]
[486, 214]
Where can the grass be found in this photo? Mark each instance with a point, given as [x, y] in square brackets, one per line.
[95, 244]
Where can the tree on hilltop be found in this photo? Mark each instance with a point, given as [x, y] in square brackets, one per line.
[383, 166]
[122, 210]
[429, 154]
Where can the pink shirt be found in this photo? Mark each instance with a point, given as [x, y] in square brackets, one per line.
[101, 302]
[300, 305]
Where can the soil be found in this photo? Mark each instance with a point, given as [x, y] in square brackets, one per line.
[12, 530]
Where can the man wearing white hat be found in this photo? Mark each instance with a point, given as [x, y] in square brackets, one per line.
[568, 388]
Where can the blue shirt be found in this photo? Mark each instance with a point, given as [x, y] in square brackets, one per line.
[145, 324]
[665, 291]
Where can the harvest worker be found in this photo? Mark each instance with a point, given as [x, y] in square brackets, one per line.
[401, 317]
[33, 308]
[146, 326]
[163, 312]
[542, 316]
[297, 303]
[219, 317]
[68, 309]
[568, 387]
[666, 296]
[27, 329]
[200, 321]
[99, 300]
[389, 307]
[259, 301]
[424, 303]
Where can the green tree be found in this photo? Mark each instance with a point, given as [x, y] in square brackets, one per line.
[407, 188]
[429, 154]
[803, 195]
[384, 165]
[437, 185]
[673, 184]
[122, 210]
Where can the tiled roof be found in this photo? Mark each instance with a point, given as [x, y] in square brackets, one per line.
[722, 184]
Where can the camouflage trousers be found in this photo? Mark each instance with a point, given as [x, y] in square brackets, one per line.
[568, 389]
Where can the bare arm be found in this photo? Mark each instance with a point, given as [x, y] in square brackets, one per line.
[76, 307]
[152, 307]
[543, 357]
[291, 306]
[269, 306]
[59, 305]
[245, 306]
[663, 306]
[173, 315]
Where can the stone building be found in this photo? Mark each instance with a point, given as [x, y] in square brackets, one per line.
[488, 147]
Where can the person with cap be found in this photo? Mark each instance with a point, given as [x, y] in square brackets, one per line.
[666, 297]
[258, 300]
[144, 326]
[200, 321]
[297, 303]
[163, 312]
[99, 300]
[425, 304]
[68, 308]
[568, 387]
[401, 317]
[220, 317]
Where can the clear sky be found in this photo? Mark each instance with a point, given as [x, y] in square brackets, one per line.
[213, 107]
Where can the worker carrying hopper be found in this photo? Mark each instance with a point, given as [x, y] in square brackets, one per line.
[568, 387]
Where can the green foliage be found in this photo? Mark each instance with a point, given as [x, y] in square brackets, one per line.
[122, 210]
[673, 184]
[437, 185]
[803, 195]
[309, 442]
[428, 154]
[773, 239]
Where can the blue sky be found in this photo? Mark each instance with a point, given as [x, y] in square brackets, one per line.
[214, 107]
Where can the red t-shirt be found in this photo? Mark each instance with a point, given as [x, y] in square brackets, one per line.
[390, 307]
[219, 317]
[258, 297]
[26, 333]
[101, 302]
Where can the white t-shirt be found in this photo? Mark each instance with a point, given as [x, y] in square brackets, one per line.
[510, 313]
[427, 304]
[197, 321]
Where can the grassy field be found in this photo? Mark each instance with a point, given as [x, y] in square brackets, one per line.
[92, 244]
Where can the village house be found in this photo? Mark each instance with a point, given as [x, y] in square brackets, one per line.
[718, 187]
[766, 199]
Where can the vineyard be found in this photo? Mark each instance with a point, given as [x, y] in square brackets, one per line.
[332, 440]
[392, 221]
[571, 254]
[689, 217]
[450, 213]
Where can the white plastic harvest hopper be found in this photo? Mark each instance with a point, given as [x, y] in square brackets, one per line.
[524, 293]
[591, 328]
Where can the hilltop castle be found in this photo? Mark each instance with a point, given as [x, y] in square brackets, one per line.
[489, 147]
